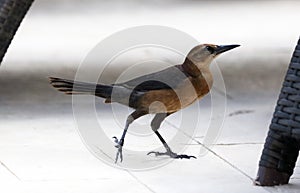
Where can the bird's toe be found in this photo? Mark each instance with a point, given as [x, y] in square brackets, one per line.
[172, 155]
[184, 156]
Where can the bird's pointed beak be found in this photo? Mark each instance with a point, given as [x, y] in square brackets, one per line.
[225, 48]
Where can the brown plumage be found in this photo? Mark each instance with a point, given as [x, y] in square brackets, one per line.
[161, 93]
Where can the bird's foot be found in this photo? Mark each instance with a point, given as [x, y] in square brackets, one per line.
[119, 146]
[172, 155]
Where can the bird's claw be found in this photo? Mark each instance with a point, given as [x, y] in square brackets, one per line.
[184, 156]
[172, 155]
[115, 139]
[119, 146]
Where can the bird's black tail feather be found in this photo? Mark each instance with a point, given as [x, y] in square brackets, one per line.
[75, 87]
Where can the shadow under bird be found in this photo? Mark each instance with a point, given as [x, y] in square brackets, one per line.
[161, 93]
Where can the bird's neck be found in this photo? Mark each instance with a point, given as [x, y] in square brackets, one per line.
[190, 68]
[204, 73]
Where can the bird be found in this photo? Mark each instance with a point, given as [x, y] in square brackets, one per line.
[160, 93]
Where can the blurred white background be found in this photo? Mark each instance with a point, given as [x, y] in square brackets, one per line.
[62, 32]
[38, 135]
[57, 35]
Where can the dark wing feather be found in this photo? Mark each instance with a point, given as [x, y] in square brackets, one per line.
[151, 85]
[168, 78]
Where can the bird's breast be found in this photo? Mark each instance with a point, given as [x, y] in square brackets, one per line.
[172, 100]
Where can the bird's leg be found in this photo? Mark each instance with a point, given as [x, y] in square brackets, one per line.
[119, 143]
[169, 152]
[155, 124]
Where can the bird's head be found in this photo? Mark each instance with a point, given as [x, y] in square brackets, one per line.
[202, 55]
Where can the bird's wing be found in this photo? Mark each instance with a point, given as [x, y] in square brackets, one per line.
[168, 78]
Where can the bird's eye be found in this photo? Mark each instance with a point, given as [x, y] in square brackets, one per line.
[210, 49]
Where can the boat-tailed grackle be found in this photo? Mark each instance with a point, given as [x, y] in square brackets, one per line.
[161, 93]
